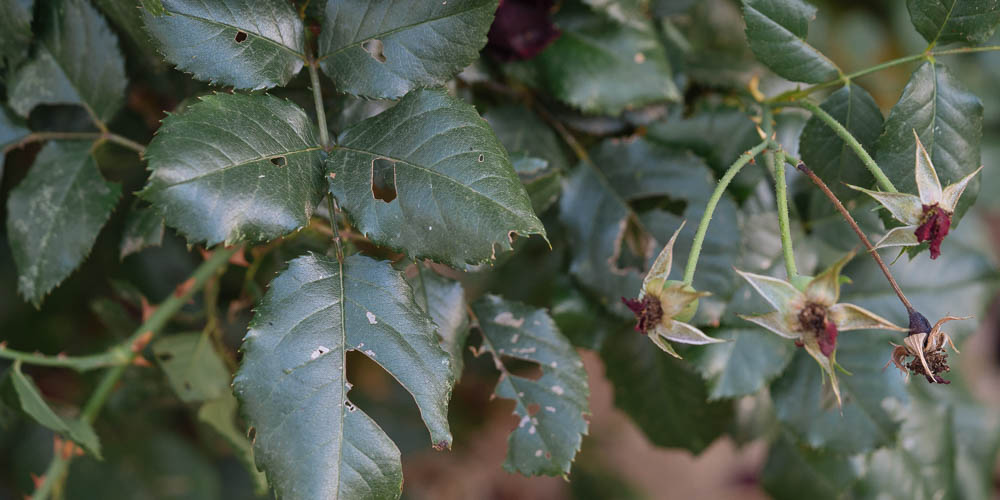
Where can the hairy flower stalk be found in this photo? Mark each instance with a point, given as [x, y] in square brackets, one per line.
[927, 215]
[663, 307]
[812, 316]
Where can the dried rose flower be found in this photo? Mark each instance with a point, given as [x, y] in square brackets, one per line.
[663, 306]
[927, 217]
[812, 317]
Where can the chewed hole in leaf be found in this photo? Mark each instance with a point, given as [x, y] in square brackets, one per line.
[645, 204]
[520, 367]
[240, 37]
[632, 247]
[278, 161]
[481, 157]
[165, 356]
[383, 179]
[374, 48]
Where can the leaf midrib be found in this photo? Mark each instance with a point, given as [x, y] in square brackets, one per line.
[255, 35]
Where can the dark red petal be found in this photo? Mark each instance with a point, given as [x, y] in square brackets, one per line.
[933, 228]
[521, 29]
[828, 339]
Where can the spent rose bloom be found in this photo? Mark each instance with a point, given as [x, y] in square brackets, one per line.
[927, 350]
[927, 217]
[812, 316]
[663, 306]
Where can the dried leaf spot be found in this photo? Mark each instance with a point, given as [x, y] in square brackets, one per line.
[240, 37]
[319, 351]
[374, 48]
[506, 318]
[371, 320]
[383, 181]
[278, 161]
[533, 408]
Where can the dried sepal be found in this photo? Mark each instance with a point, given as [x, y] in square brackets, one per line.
[827, 364]
[903, 236]
[951, 194]
[928, 185]
[824, 289]
[779, 293]
[661, 266]
[904, 207]
[776, 322]
[852, 317]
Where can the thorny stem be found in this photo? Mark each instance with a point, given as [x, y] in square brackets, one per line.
[55, 474]
[849, 139]
[706, 218]
[854, 225]
[69, 136]
[794, 95]
[781, 198]
[324, 134]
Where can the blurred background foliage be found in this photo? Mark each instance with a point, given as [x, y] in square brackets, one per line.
[156, 446]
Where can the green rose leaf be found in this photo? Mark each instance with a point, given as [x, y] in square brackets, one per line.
[235, 168]
[794, 471]
[55, 214]
[948, 444]
[585, 66]
[777, 32]
[312, 441]
[192, 367]
[245, 44]
[542, 182]
[597, 210]
[551, 409]
[444, 300]
[949, 120]
[65, 70]
[969, 22]
[445, 189]
[221, 415]
[829, 156]
[19, 391]
[12, 131]
[719, 135]
[745, 364]
[15, 31]
[521, 131]
[143, 228]
[383, 50]
[662, 394]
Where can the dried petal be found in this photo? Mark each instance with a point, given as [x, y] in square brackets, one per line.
[928, 184]
[952, 193]
[828, 339]
[905, 207]
[647, 310]
[779, 293]
[933, 228]
[851, 317]
[915, 344]
[521, 29]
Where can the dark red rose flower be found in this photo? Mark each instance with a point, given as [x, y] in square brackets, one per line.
[934, 225]
[521, 29]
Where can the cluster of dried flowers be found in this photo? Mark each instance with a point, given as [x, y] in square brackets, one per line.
[807, 311]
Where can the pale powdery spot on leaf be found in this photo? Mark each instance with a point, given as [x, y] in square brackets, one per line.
[531, 430]
[319, 351]
[370, 353]
[506, 318]
[514, 339]
[524, 420]
[554, 364]
[538, 453]
[371, 318]
[558, 390]
[550, 409]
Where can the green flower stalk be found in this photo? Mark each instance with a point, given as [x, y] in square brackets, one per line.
[926, 216]
[812, 316]
[663, 306]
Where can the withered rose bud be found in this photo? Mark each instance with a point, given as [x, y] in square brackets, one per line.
[521, 29]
